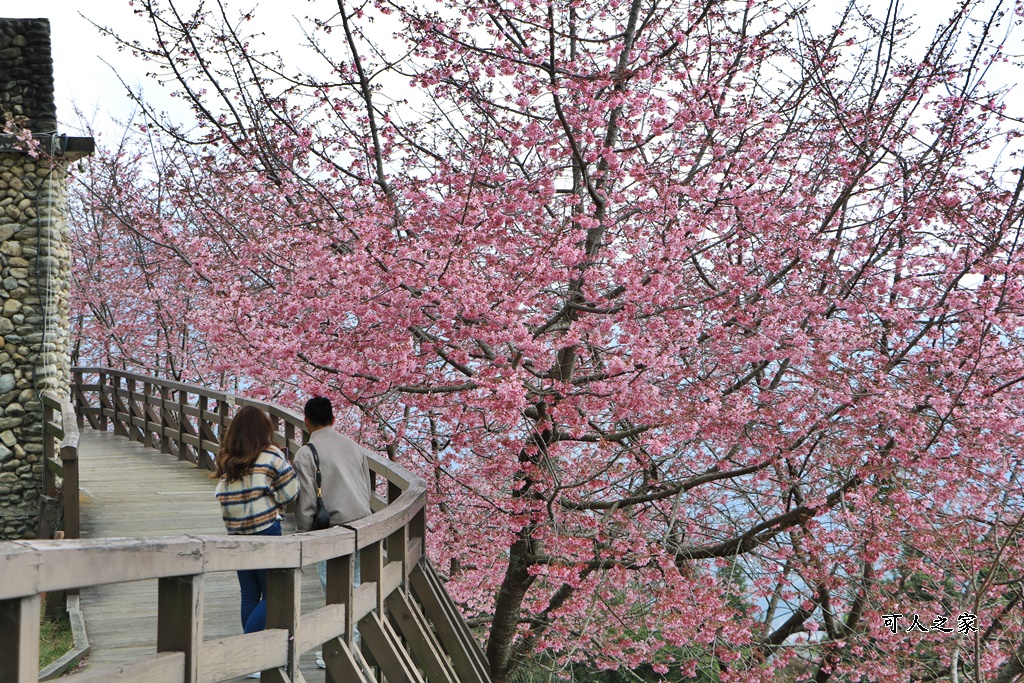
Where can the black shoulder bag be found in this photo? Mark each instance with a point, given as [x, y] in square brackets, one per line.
[321, 518]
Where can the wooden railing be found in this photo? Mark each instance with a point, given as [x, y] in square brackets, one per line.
[60, 517]
[409, 628]
[60, 450]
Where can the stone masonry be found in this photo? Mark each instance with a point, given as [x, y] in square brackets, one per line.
[34, 270]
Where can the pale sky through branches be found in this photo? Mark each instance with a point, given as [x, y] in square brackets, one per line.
[88, 68]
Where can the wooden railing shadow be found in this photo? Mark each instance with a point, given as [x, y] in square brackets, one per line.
[409, 627]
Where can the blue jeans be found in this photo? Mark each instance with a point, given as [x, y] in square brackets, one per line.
[321, 570]
[253, 583]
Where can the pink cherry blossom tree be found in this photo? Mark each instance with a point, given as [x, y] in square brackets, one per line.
[135, 298]
[703, 323]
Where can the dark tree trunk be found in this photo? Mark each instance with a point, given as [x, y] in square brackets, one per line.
[507, 607]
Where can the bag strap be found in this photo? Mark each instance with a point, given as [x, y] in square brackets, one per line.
[316, 461]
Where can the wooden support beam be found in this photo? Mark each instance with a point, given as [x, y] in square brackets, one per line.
[19, 639]
[179, 625]
[425, 649]
[85, 411]
[387, 651]
[341, 663]
[452, 631]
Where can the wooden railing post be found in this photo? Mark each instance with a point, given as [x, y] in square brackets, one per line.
[133, 432]
[276, 432]
[165, 422]
[372, 569]
[289, 436]
[107, 390]
[284, 605]
[182, 418]
[337, 653]
[371, 561]
[397, 545]
[418, 527]
[120, 428]
[55, 603]
[19, 640]
[72, 513]
[180, 620]
[223, 417]
[129, 386]
[204, 430]
[203, 424]
[101, 396]
[380, 644]
[147, 433]
[77, 400]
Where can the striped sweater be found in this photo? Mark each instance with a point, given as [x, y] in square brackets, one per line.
[250, 504]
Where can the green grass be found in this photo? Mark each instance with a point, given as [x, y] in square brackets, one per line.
[55, 639]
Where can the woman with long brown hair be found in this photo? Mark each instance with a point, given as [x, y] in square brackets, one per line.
[256, 481]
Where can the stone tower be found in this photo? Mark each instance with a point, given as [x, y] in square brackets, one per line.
[34, 264]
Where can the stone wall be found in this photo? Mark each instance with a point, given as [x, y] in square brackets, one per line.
[34, 272]
[26, 73]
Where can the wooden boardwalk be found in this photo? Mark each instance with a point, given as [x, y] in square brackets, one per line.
[129, 490]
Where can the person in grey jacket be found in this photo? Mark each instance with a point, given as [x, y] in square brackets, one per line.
[344, 479]
[344, 474]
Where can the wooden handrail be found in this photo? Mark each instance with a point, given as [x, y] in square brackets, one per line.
[60, 452]
[178, 419]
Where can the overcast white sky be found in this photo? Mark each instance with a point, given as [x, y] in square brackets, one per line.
[81, 54]
[85, 61]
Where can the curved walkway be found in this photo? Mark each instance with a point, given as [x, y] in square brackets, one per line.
[129, 490]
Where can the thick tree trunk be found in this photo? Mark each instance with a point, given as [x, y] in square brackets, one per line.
[507, 607]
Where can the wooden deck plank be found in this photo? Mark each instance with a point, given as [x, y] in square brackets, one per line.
[129, 490]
